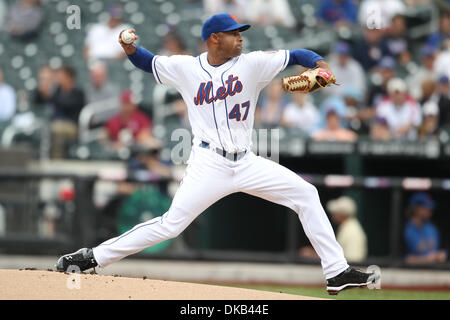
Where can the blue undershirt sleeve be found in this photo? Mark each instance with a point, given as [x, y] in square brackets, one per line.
[303, 57]
[142, 59]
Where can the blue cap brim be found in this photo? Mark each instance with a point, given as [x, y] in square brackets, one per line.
[240, 27]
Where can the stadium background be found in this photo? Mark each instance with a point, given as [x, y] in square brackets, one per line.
[50, 206]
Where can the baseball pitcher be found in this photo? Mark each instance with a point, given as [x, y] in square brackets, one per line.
[220, 88]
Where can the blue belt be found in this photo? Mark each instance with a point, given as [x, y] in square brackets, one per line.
[230, 156]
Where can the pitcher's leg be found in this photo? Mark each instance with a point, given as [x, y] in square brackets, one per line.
[203, 184]
[271, 181]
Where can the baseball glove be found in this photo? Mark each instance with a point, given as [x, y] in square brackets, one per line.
[309, 81]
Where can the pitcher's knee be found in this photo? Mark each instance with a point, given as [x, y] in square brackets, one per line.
[309, 190]
[172, 230]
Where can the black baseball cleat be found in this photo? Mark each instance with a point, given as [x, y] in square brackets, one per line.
[82, 259]
[350, 278]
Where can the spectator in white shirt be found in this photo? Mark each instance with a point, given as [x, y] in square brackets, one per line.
[349, 233]
[347, 70]
[7, 100]
[301, 113]
[270, 12]
[101, 40]
[236, 8]
[442, 63]
[401, 111]
[425, 71]
[378, 14]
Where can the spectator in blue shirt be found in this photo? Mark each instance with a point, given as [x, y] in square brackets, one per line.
[438, 37]
[338, 12]
[421, 235]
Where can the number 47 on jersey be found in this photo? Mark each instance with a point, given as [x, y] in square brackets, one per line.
[235, 113]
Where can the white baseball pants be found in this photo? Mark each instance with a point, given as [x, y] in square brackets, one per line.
[210, 177]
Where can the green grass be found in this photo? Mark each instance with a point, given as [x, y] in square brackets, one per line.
[353, 294]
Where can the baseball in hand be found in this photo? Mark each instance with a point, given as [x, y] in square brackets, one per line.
[127, 37]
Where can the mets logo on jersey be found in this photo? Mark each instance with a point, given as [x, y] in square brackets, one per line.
[205, 94]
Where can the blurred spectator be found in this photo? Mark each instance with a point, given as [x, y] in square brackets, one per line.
[271, 106]
[379, 130]
[443, 60]
[353, 100]
[67, 101]
[100, 88]
[384, 72]
[349, 234]
[173, 45]
[347, 70]
[443, 100]
[338, 12]
[377, 14]
[421, 235]
[368, 51]
[396, 43]
[427, 89]
[130, 126]
[436, 39]
[147, 159]
[430, 123]
[402, 113]
[24, 19]
[3, 11]
[236, 8]
[415, 80]
[333, 130]
[301, 113]
[270, 12]
[42, 95]
[7, 100]
[101, 40]
[338, 105]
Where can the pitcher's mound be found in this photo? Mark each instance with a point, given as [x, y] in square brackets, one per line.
[44, 285]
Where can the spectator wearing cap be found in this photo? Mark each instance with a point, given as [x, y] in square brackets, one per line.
[421, 235]
[101, 40]
[130, 126]
[402, 112]
[429, 128]
[347, 70]
[425, 72]
[349, 233]
[338, 12]
[385, 71]
[379, 130]
[333, 130]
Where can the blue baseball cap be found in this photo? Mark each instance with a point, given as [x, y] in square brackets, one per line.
[422, 199]
[221, 23]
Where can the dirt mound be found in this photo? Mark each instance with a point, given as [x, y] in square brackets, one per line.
[48, 285]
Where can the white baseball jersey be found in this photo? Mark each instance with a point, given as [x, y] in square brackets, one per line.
[221, 104]
[221, 100]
